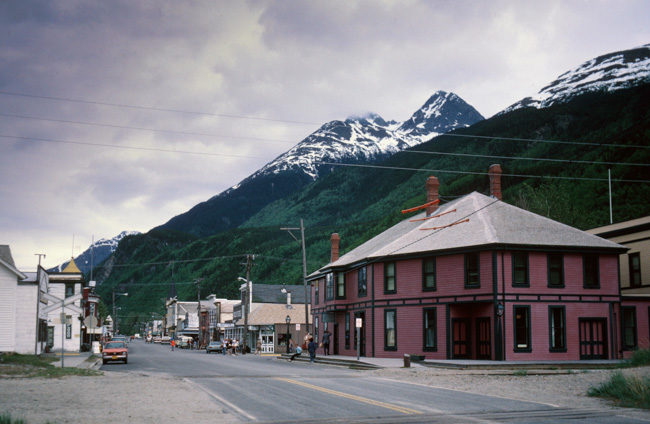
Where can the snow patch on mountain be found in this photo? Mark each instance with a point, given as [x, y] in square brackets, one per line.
[370, 137]
[609, 72]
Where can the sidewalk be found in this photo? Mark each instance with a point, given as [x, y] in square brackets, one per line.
[75, 360]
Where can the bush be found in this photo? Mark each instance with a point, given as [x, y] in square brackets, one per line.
[639, 358]
[631, 392]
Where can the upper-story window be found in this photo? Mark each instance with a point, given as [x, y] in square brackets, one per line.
[390, 277]
[429, 274]
[316, 292]
[362, 282]
[520, 269]
[69, 290]
[329, 286]
[555, 269]
[472, 270]
[635, 269]
[591, 277]
[340, 285]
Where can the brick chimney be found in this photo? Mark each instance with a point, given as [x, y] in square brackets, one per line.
[335, 246]
[495, 181]
[432, 185]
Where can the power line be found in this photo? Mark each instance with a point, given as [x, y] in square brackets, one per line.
[578, 143]
[479, 173]
[571, 161]
[221, 115]
[94, 124]
[150, 149]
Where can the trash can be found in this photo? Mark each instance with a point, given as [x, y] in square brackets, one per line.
[407, 360]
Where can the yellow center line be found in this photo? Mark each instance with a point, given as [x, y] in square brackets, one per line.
[352, 397]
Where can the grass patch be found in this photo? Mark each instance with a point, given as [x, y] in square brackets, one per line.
[639, 358]
[630, 392]
[5, 418]
[16, 365]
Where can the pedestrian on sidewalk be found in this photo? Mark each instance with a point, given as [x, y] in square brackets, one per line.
[312, 346]
[173, 343]
[258, 347]
[326, 342]
[235, 346]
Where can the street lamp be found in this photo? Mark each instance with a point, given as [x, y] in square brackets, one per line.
[288, 319]
[114, 310]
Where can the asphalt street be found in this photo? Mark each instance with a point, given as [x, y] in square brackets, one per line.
[266, 389]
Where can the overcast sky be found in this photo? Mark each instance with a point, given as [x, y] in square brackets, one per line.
[101, 101]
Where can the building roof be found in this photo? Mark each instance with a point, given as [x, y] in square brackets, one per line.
[622, 228]
[272, 293]
[8, 261]
[473, 221]
[71, 268]
[270, 313]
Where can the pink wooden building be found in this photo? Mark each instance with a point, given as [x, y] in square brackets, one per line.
[475, 278]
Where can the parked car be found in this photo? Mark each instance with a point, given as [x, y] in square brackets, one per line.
[157, 339]
[115, 351]
[214, 346]
[120, 338]
[165, 340]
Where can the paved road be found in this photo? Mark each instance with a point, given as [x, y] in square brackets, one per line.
[265, 389]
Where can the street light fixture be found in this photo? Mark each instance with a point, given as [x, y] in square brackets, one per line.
[288, 319]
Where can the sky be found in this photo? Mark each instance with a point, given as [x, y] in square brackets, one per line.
[121, 115]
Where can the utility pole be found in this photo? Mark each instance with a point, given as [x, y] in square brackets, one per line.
[304, 267]
[198, 311]
[245, 303]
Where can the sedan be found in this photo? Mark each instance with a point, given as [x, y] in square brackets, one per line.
[214, 346]
[115, 351]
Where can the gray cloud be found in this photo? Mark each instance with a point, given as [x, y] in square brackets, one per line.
[284, 61]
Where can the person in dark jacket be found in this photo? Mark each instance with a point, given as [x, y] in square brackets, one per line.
[326, 342]
[311, 347]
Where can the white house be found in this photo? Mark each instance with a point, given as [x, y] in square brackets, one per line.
[23, 323]
[66, 285]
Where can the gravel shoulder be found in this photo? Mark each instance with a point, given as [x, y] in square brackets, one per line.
[125, 397]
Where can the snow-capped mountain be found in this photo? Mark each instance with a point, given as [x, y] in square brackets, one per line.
[368, 138]
[609, 72]
[357, 139]
[96, 253]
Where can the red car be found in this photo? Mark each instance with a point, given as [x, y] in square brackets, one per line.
[115, 351]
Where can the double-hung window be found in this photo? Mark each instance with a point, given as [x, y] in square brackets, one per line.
[390, 277]
[555, 268]
[635, 269]
[430, 337]
[429, 274]
[522, 329]
[472, 277]
[591, 277]
[390, 329]
[316, 292]
[520, 269]
[362, 282]
[329, 286]
[347, 331]
[557, 328]
[629, 327]
[340, 285]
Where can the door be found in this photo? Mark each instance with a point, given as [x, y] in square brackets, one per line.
[362, 332]
[593, 338]
[461, 338]
[335, 336]
[267, 341]
[483, 339]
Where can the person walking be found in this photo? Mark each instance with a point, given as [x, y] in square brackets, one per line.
[258, 347]
[326, 342]
[173, 343]
[224, 348]
[312, 346]
[235, 346]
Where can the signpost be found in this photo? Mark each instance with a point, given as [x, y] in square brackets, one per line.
[359, 324]
[62, 303]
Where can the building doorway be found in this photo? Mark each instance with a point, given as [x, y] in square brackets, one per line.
[362, 347]
[461, 346]
[268, 341]
[483, 339]
[335, 337]
[593, 338]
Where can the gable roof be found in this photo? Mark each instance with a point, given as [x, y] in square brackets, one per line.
[8, 261]
[471, 222]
